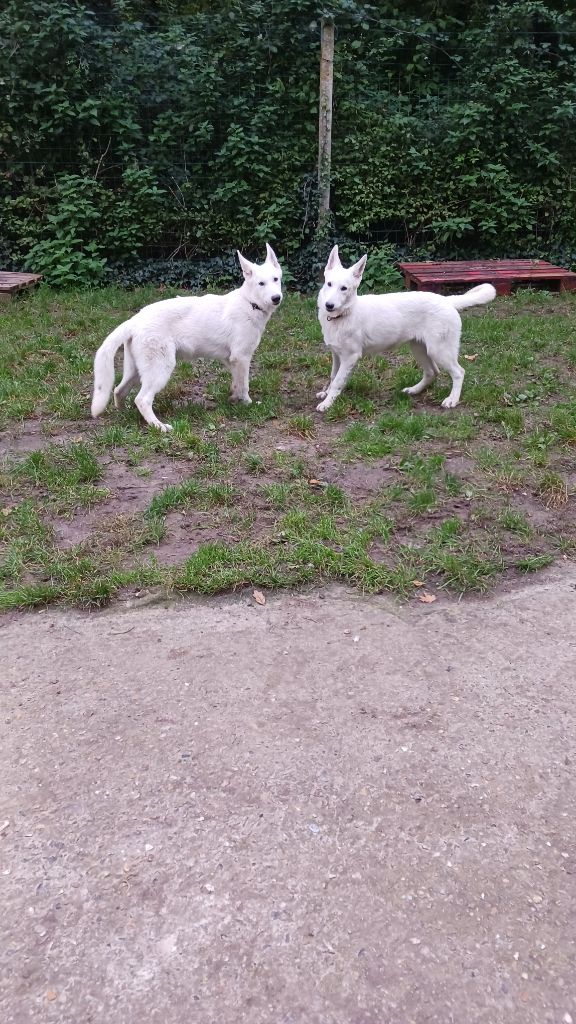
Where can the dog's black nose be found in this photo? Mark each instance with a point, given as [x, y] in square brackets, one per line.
[276, 299]
[329, 306]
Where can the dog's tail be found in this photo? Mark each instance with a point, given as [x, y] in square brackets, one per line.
[474, 297]
[104, 366]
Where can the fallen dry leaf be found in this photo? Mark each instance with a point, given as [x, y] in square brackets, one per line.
[418, 583]
[259, 597]
[471, 358]
[427, 598]
[51, 995]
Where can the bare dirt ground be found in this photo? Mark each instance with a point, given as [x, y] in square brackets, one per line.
[331, 809]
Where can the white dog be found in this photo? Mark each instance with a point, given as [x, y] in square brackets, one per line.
[353, 325]
[225, 327]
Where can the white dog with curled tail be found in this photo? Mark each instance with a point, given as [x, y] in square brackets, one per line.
[224, 327]
[353, 325]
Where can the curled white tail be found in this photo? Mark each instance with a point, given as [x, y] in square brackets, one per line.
[104, 366]
[474, 297]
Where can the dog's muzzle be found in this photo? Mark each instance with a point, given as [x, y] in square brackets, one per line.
[329, 306]
[276, 299]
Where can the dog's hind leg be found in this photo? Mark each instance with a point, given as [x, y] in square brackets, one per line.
[427, 365]
[444, 352]
[347, 364]
[129, 377]
[155, 369]
[335, 368]
[457, 374]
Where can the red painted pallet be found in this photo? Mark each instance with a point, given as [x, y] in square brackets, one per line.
[11, 283]
[433, 277]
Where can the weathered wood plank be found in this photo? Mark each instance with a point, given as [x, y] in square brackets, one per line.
[483, 263]
[503, 274]
[11, 283]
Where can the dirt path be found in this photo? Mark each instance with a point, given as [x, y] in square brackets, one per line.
[329, 810]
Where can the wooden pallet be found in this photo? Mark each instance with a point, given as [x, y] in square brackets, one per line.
[11, 284]
[503, 274]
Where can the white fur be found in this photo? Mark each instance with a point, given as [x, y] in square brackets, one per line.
[223, 327]
[353, 325]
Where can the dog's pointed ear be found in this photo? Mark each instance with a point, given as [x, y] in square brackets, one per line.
[272, 257]
[358, 268]
[247, 268]
[333, 259]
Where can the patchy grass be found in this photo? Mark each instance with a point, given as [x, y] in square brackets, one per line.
[382, 491]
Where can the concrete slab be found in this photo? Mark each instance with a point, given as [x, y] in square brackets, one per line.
[330, 809]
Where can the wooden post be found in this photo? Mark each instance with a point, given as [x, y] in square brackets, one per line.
[325, 121]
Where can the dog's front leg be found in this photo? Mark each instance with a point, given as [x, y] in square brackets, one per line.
[347, 364]
[240, 370]
[335, 368]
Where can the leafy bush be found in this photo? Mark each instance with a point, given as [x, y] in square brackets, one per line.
[140, 131]
[381, 274]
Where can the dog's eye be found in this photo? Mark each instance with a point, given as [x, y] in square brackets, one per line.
[275, 278]
[343, 288]
[329, 283]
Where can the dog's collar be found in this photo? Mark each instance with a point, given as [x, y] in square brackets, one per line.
[254, 306]
[343, 313]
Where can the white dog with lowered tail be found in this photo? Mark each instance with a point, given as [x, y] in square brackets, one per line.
[353, 325]
[225, 327]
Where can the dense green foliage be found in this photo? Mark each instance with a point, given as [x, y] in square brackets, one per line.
[138, 130]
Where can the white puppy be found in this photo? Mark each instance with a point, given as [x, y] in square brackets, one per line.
[225, 327]
[353, 325]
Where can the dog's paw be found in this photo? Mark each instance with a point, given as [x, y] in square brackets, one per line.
[245, 399]
[323, 406]
[165, 428]
[449, 403]
[321, 394]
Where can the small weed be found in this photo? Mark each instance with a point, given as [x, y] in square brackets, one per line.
[553, 490]
[424, 470]
[366, 442]
[278, 495]
[563, 422]
[59, 468]
[453, 484]
[503, 471]
[254, 462]
[539, 444]
[422, 501]
[239, 437]
[203, 496]
[448, 531]
[468, 570]
[515, 521]
[534, 562]
[301, 425]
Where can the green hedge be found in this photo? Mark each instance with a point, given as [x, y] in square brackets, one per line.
[132, 131]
